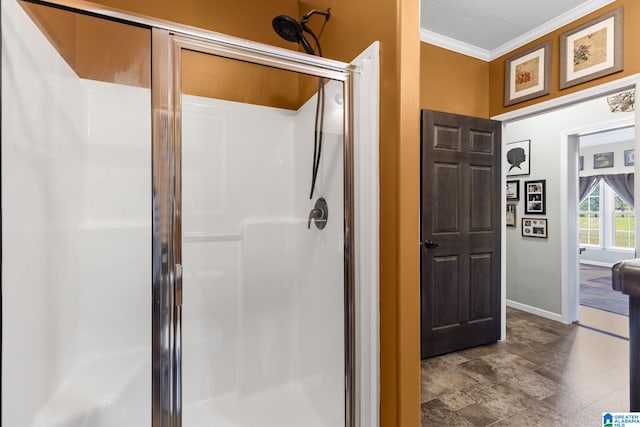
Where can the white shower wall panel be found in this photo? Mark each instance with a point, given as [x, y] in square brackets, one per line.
[76, 237]
[263, 295]
[37, 133]
[237, 164]
[319, 351]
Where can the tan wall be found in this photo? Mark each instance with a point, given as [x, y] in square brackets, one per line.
[95, 48]
[232, 80]
[108, 51]
[248, 19]
[631, 59]
[453, 82]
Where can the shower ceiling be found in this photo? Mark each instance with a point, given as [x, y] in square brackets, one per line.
[490, 24]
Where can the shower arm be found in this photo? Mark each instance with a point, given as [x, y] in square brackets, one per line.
[306, 17]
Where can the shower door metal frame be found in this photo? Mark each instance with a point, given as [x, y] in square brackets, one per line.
[167, 48]
[168, 39]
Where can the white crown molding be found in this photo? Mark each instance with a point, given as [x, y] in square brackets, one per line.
[489, 55]
[550, 26]
[454, 45]
[614, 86]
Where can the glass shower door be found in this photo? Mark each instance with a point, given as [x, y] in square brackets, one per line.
[263, 291]
[76, 223]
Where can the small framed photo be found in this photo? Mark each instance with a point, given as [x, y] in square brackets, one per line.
[511, 214]
[527, 74]
[517, 159]
[603, 160]
[581, 163]
[592, 50]
[629, 157]
[535, 199]
[534, 227]
[513, 190]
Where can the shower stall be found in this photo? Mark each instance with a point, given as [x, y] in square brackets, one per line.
[162, 263]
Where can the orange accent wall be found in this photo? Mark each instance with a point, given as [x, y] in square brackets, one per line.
[631, 59]
[233, 80]
[453, 82]
[95, 48]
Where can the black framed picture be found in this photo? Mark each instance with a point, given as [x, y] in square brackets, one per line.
[603, 160]
[513, 190]
[535, 198]
[517, 159]
[629, 157]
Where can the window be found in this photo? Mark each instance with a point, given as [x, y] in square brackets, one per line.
[624, 220]
[606, 220]
[589, 210]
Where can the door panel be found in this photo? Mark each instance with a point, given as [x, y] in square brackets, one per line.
[445, 297]
[481, 190]
[460, 286]
[445, 189]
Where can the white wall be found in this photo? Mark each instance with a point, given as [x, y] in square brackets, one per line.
[618, 149]
[533, 264]
[76, 239]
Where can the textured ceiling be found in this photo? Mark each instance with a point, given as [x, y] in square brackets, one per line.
[489, 24]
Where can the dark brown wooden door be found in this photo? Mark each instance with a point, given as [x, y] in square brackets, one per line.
[460, 270]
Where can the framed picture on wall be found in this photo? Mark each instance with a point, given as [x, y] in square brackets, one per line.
[511, 214]
[603, 160]
[535, 227]
[592, 50]
[535, 199]
[629, 157]
[527, 74]
[513, 190]
[517, 159]
[581, 163]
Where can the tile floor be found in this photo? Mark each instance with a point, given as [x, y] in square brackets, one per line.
[545, 374]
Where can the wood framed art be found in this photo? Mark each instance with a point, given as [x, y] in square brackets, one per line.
[527, 74]
[592, 50]
[512, 216]
[603, 160]
[517, 159]
[513, 190]
[535, 199]
[535, 227]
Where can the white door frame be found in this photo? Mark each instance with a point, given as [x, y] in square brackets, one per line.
[569, 183]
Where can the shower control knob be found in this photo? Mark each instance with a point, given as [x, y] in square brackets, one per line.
[319, 214]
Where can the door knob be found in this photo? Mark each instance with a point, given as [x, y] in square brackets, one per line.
[429, 244]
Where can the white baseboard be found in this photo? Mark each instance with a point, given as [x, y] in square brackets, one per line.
[534, 310]
[597, 263]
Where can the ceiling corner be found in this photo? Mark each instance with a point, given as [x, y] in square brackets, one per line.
[548, 27]
[454, 45]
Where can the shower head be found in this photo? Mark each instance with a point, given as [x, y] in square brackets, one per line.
[287, 28]
[292, 30]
